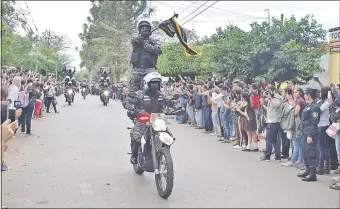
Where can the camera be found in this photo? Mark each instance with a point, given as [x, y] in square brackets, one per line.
[227, 97]
[268, 93]
[17, 104]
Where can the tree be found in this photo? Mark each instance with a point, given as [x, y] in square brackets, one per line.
[20, 51]
[107, 34]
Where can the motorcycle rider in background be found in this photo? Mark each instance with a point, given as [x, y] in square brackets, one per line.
[69, 85]
[104, 73]
[75, 85]
[149, 100]
[85, 85]
[69, 72]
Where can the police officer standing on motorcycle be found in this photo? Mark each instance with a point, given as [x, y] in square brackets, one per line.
[149, 100]
[144, 55]
[310, 118]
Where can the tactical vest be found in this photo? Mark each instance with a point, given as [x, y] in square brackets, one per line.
[141, 58]
[153, 105]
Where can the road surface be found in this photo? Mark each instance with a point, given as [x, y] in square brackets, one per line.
[78, 159]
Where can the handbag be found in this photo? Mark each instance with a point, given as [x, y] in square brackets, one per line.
[54, 101]
[333, 130]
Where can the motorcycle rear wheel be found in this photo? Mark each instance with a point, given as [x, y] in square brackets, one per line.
[166, 175]
[69, 102]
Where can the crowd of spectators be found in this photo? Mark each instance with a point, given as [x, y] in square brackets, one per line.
[24, 97]
[262, 117]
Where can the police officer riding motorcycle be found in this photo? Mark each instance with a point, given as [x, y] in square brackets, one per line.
[84, 88]
[104, 90]
[150, 137]
[69, 93]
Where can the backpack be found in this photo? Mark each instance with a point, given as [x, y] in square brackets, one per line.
[287, 118]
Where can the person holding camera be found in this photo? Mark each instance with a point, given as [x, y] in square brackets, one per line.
[274, 110]
[13, 95]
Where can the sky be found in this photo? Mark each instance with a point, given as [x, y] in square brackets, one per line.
[68, 17]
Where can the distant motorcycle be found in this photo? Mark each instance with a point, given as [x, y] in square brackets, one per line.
[84, 92]
[105, 95]
[69, 95]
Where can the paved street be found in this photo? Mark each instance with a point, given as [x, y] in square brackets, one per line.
[78, 159]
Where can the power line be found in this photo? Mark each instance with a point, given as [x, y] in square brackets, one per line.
[195, 10]
[200, 12]
[225, 10]
[182, 10]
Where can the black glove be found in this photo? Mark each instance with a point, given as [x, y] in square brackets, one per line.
[138, 41]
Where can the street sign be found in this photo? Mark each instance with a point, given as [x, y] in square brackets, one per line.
[334, 40]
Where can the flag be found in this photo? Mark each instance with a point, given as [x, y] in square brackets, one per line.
[171, 27]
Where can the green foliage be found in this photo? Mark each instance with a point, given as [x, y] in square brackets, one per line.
[20, 51]
[107, 34]
[173, 61]
[280, 51]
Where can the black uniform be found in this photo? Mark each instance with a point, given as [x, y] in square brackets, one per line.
[140, 102]
[310, 118]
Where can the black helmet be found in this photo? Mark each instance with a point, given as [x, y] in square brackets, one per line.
[143, 23]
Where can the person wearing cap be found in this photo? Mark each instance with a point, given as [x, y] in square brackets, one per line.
[310, 118]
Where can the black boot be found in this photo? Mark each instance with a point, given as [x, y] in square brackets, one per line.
[304, 173]
[327, 169]
[28, 130]
[311, 176]
[134, 155]
[320, 169]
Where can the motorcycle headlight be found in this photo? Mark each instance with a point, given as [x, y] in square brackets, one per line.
[69, 91]
[106, 93]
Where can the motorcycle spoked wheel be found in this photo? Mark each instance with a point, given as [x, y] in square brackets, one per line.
[136, 167]
[165, 179]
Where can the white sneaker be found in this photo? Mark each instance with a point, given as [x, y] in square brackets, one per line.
[244, 146]
[237, 147]
[288, 164]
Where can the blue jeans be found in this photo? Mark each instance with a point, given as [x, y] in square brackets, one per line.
[199, 118]
[272, 130]
[227, 122]
[191, 114]
[183, 103]
[298, 153]
[323, 147]
[208, 125]
[25, 119]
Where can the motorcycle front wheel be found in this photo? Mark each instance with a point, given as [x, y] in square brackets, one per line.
[165, 178]
[136, 167]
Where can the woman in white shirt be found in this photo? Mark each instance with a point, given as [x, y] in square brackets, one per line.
[13, 94]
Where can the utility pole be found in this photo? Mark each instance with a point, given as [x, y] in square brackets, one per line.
[268, 15]
[282, 19]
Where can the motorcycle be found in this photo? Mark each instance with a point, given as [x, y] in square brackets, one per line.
[154, 151]
[69, 95]
[84, 92]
